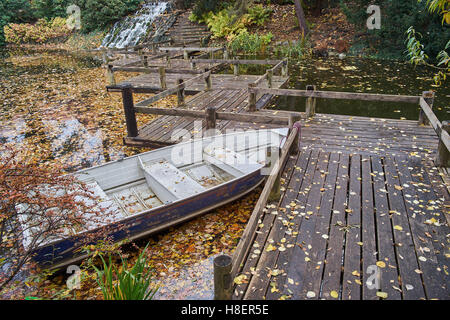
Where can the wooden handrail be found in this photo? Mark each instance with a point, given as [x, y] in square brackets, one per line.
[237, 61]
[230, 116]
[172, 90]
[248, 236]
[155, 70]
[435, 123]
[191, 49]
[336, 95]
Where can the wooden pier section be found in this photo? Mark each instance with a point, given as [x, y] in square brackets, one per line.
[362, 213]
[358, 209]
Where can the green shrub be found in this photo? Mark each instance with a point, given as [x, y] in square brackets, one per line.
[245, 42]
[49, 9]
[258, 14]
[14, 11]
[203, 7]
[224, 24]
[99, 14]
[40, 32]
[126, 283]
[396, 18]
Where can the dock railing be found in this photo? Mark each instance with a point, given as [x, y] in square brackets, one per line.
[426, 115]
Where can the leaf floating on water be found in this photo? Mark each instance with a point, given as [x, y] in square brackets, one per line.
[382, 294]
[310, 294]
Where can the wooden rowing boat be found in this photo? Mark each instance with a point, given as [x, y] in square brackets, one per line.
[152, 191]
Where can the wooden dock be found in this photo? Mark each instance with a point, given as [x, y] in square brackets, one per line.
[357, 210]
[341, 213]
[363, 199]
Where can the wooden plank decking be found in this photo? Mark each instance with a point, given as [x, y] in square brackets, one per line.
[344, 212]
[219, 81]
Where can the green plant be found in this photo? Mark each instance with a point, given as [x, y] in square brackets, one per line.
[123, 283]
[14, 11]
[40, 32]
[49, 9]
[258, 14]
[99, 14]
[397, 17]
[246, 42]
[224, 24]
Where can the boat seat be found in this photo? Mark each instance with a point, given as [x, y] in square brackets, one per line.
[168, 182]
[235, 160]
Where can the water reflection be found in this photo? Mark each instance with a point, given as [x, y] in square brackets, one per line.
[366, 76]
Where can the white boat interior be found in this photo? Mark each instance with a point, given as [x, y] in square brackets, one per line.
[149, 180]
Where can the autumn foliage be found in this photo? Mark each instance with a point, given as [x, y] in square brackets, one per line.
[38, 204]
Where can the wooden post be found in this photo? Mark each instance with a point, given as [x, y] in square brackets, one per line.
[186, 55]
[223, 288]
[105, 56]
[110, 75]
[310, 109]
[180, 93]
[284, 69]
[269, 77]
[295, 145]
[225, 54]
[443, 155]
[145, 60]
[428, 96]
[193, 64]
[162, 78]
[211, 117]
[236, 69]
[251, 97]
[208, 81]
[275, 193]
[128, 106]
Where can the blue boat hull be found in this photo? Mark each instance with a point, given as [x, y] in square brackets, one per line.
[68, 251]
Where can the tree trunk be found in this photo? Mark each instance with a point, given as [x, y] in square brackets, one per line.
[301, 17]
[318, 8]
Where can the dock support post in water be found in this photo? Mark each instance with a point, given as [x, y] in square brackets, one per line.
[310, 102]
[293, 118]
[269, 78]
[128, 106]
[443, 155]
[110, 75]
[162, 77]
[180, 93]
[272, 155]
[251, 97]
[223, 288]
[208, 81]
[211, 118]
[428, 96]
[284, 68]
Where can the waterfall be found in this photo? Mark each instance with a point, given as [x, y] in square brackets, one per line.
[132, 29]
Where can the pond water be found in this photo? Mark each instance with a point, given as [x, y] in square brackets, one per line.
[55, 107]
